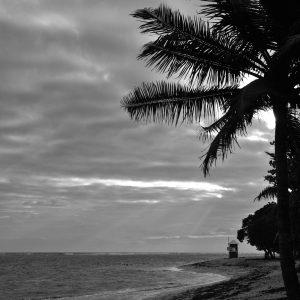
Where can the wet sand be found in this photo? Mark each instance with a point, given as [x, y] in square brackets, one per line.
[250, 278]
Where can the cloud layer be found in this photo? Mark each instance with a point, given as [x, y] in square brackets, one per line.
[75, 173]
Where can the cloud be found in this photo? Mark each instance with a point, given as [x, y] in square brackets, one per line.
[258, 136]
[139, 201]
[164, 237]
[193, 237]
[51, 21]
[177, 185]
[208, 236]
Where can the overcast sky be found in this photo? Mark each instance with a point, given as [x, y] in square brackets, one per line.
[76, 174]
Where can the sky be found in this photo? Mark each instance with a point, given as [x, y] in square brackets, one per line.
[76, 174]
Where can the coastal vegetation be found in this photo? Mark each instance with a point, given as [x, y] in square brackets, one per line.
[260, 38]
[264, 240]
[267, 239]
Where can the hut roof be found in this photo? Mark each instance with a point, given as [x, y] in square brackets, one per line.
[233, 242]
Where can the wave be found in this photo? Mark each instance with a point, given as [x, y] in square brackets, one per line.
[199, 279]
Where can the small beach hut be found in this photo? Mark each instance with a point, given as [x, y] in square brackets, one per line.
[233, 249]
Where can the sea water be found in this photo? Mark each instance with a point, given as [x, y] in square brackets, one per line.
[98, 276]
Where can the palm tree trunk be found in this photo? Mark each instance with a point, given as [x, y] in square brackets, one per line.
[287, 262]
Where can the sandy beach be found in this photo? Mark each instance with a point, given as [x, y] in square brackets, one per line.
[250, 278]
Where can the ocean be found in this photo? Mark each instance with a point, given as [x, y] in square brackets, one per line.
[98, 276]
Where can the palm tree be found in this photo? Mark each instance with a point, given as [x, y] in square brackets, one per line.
[243, 38]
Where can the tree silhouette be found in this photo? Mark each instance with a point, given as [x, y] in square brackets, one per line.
[244, 38]
[263, 239]
[270, 192]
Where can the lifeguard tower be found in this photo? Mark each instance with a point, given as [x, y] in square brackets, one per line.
[233, 249]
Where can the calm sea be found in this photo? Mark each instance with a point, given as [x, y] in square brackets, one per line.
[97, 276]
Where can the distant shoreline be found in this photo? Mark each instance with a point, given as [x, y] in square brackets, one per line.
[249, 278]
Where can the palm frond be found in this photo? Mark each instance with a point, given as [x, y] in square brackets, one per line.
[188, 46]
[164, 21]
[169, 102]
[209, 132]
[269, 192]
[186, 59]
[243, 19]
[234, 122]
[225, 140]
[176, 59]
[250, 97]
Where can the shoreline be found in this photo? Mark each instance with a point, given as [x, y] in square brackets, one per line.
[248, 278]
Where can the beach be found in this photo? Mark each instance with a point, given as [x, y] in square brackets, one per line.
[249, 278]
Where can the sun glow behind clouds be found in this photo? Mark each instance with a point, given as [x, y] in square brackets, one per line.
[268, 118]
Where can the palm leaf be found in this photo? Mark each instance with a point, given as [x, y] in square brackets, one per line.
[234, 122]
[269, 192]
[169, 102]
[173, 58]
[187, 59]
[225, 140]
[248, 98]
[164, 21]
[187, 46]
[246, 20]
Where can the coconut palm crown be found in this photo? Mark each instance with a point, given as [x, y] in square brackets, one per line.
[242, 38]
